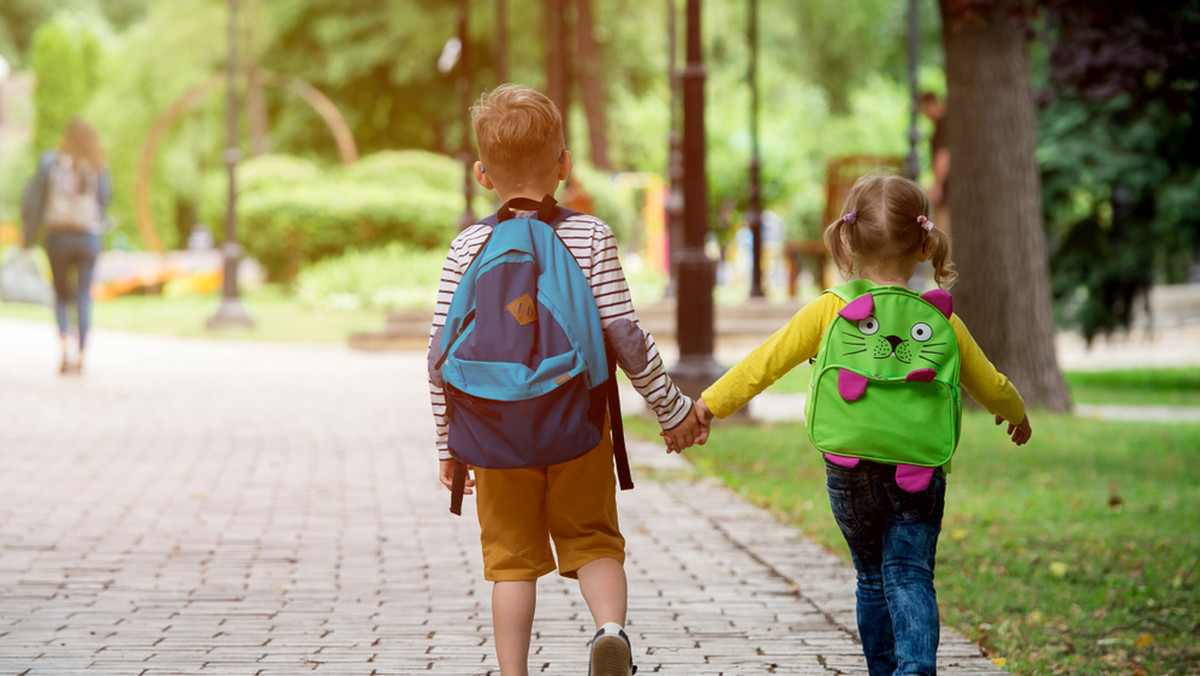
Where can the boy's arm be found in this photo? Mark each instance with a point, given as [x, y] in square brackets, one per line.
[457, 258]
[635, 349]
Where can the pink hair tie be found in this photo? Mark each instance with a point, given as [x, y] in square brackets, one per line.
[925, 223]
[850, 217]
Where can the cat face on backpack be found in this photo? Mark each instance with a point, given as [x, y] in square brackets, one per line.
[879, 339]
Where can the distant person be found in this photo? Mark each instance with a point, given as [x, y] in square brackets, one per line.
[576, 197]
[939, 152]
[69, 197]
[890, 513]
[522, 157]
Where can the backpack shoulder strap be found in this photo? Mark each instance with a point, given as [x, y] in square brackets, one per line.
[851, 289]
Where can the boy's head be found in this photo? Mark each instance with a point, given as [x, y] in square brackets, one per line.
[520, 137]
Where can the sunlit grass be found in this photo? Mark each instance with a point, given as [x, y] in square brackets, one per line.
[1078, 553]
[277, 317]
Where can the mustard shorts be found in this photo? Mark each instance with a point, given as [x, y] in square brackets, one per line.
[521, 510]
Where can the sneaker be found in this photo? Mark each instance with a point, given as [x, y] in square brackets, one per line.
[611, 653]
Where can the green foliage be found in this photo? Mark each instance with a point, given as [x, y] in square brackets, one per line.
[396, 276]
[58, 60]
[290, 211]
[1121, 189]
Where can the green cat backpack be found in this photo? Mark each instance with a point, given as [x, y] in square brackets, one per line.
[885, 382]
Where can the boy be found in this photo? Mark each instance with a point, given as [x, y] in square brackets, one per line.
[522, 155]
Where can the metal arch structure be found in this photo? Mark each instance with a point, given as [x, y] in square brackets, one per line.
[342, 136]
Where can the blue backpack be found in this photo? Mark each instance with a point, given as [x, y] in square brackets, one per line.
[523, 361]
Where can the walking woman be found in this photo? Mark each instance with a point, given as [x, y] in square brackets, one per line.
[69, 197]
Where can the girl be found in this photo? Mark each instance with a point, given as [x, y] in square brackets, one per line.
[69, 196]
[892, 533]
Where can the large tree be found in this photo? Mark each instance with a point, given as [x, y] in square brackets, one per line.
[995, 197]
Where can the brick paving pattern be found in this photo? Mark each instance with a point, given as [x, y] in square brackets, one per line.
[203, 507]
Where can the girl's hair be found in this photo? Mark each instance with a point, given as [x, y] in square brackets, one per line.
[885, 217]
[81, 143]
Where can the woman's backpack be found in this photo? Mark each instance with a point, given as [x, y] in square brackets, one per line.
[72, 201]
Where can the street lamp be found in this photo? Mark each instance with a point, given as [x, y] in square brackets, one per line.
[697, 272]
[674, 163]
[231, 313]
[914, 46]
[756, 221]
[454, 53]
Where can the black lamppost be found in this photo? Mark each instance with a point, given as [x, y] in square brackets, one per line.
[501, 41]
[756, 222]
[697, 272]
[914, 46]
[231, 312]
[464, 92]
[674, 162]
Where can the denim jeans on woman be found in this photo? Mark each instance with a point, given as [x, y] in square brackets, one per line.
[892, 536]
[73, 252]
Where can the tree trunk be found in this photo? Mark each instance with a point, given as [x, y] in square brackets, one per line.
[994, 193]
[592, 84]
[556, 57]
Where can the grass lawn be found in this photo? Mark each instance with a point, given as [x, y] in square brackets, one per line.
[277, 317]
[1078, 553]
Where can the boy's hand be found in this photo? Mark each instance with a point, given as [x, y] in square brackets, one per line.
[446, 474]
[1019, 433]
[682, 435]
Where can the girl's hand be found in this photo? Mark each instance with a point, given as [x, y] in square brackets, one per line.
[704, 418]
[1020, 433]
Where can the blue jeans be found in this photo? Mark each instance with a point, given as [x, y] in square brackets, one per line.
[892, 536]
[73, 252]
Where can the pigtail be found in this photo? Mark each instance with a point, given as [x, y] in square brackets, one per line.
[835, 240]
[939, 256]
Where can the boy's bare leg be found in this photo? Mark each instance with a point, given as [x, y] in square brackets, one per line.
[605, 590]
[513, 604]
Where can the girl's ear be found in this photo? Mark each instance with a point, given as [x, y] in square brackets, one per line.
[926, 246]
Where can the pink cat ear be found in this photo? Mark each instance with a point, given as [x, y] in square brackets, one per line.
[859, 308]
[842, 461]
[921, 376]
[851, 385]
[913, 479]
[940, 300]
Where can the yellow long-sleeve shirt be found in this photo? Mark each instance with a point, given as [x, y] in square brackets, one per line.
[799, 340]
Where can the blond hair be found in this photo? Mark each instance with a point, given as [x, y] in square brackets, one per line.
[519, 132]
[883, 219]
[81, 142]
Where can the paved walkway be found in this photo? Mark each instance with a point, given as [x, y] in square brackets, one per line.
[195, 507]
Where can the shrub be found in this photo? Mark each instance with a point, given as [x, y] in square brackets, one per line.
[392, 277]
[292, 212]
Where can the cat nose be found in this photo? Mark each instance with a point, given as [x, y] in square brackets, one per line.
[894, 340]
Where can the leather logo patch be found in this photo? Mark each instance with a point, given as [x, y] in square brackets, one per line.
[523, 309]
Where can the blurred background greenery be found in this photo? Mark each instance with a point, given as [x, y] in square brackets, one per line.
[1119, 162]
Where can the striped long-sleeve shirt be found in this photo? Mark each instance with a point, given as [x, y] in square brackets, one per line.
[592, 243]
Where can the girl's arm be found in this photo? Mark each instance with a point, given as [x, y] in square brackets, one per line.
[796, 342]
[982, 381]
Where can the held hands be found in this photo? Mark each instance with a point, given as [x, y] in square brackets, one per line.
[693, 430]
[1019, 433]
